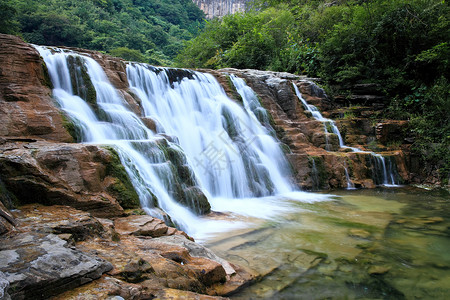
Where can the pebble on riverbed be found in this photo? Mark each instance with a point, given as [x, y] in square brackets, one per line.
[359, 233]
[378, 270]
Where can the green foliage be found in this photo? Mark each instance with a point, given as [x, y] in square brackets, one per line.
[8, 22]
[249, 40]
[431, 127]
[120, 27]
[128, 54]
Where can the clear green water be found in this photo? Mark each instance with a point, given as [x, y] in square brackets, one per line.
[365, 244]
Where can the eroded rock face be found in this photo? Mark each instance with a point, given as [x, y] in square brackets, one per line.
[317, 159]
[67, 174]
[26, 106]
[62, 252]
[220, 8]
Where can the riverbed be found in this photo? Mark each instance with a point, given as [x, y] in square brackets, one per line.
[384, 243]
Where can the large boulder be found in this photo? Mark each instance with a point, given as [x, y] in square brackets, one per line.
[86, 177]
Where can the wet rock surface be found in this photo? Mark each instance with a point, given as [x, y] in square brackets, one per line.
[317, 159]
[67, 253]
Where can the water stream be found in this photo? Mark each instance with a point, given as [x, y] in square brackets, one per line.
[384, 174]
[360, 244]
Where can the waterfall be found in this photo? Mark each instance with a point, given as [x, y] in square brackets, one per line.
[109, 121]
[350, 185]
[327, 122]
[203, 145]
[382, 174]
[231, 153]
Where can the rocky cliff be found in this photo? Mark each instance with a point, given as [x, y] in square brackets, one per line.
[318, 159]
[220, 8]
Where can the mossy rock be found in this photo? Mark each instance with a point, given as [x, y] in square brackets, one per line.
[46, 80]
[81, 81]
[235, 94]
[320, 176]
[121, 188]
[229, 123]
[74, 130]
[196, 200]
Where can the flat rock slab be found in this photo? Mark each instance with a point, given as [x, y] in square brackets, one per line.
[58, 219]
[39, 265]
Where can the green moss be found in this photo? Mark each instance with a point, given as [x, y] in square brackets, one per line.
[196, 200]
[320, 174]
[315, 253]
[122, 188]
[349, 224]
[285, 148]
[81, 82]
[229, 123]
[72, 128]
[46, 80]
[234, 91]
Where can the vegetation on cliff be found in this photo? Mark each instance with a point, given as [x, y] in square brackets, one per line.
[138, 30]
[400, 45]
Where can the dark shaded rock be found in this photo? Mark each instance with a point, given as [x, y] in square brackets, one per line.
[38, 265]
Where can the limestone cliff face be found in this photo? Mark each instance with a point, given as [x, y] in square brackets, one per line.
[220, 8]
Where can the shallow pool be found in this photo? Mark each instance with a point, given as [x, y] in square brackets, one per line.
[386, 243]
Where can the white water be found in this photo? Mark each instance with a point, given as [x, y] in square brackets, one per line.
[121, 128]
[388, 178]
[350, 185]
[318, 116]
[233, 156]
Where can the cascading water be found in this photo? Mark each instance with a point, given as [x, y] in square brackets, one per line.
[387, 174]
[110, 122]
[230, 152]
[219, 149]
[350, 185]
[327, 122]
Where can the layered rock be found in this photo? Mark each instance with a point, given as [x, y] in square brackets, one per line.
[27, 109]
[317, 159]
[56, 249]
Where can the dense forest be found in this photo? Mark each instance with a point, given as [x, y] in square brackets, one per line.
[403, 46]
[139, 30]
